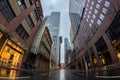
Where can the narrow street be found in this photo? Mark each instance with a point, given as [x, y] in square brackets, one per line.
[61, 74]
[36, 75]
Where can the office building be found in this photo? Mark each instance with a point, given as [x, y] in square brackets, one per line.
[19, 22]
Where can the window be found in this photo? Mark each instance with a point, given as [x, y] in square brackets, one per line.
[87, 5]
[36, 15]
[92, 3]
[6, 10]
[104, 10]
[100, 45]
[88, 1]
[99, 22]
[114, 30]
[107, 3]
[87, 20]
[101, 16]
[91, 8]
[97, 6]
[94, 16]
[86, 9]
[88, 16]
[90, 24]
[21, 32]
[89, 12]
[29, 21]
[1, 34]
[32, 2]
[95, 11]
[92, 21]
[21, 4]
[99, 1]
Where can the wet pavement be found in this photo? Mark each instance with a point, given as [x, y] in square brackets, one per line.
[6, 74]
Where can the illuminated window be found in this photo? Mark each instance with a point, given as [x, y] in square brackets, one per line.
[7, 49]
[1, 34]
[107, 3]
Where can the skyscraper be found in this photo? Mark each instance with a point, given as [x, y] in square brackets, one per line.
[97, 40]
[76, 8]
[53, 24]
[66, 44]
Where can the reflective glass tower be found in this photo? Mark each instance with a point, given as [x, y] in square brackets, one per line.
[75, 12]
[53, 24]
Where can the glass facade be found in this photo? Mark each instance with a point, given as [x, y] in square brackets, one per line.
[75, 12]
[53, 24]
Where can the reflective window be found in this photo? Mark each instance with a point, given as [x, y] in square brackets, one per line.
[29, 21]
[104, 10]
[91, 8]
[97, 6]
[94, 16]
[90, 24]
[95, 11]
[88, 1]
[36, 15]
[101, 16]
[87, 5]
[21, 4]
[88, 16]
[89, 12]
[21, 32]
[87, 20]
[92, 21]
[107, 3]
[99, 1]
[6, 10]
[92, 3]
[99, 22]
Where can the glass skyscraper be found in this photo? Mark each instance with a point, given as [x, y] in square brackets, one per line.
[53, 24]
[75, 12]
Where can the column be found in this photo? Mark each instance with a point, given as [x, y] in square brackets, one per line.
[111, 49]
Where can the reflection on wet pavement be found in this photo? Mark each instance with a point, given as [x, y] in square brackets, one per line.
[62, 75]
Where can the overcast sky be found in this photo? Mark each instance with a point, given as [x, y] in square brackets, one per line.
[63, 7]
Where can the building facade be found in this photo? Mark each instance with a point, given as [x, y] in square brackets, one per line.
[42, 61]
[97, 39]
[76, 8]
[53, 24]
[19, 21]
